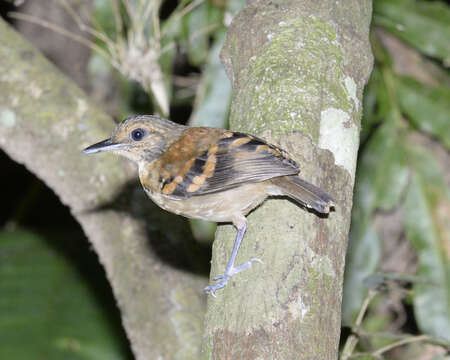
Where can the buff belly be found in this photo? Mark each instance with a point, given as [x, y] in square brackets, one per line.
[224, 206]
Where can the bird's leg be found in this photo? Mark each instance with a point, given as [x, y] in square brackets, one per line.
[231, 270]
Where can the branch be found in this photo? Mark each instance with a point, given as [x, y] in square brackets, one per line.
[45, 122]
[353, 339]
[298, 69]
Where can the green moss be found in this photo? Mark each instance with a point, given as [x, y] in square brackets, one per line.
[44, 118]
[313, 279]
[284, 84]
[206, 349]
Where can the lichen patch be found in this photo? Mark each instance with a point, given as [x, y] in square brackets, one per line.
[7, 118]
[350, 86]
[341, 136]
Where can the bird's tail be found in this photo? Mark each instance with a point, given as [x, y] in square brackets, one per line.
[305, 193]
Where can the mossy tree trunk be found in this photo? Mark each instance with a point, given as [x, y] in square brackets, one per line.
[298, 70]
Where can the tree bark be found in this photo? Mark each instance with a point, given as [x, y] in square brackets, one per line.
[298, 69]
[45, 122]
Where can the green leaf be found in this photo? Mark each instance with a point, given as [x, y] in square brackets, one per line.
[103, 19]
[47, 309]
[392, 176]
[198, 25]
[427, 219]
[196, 42]
[383, 173]
[370, 100]
[427, 107]
[363, 255]
[381, 178]
[423, 24]
[383, 162]
[214, 92]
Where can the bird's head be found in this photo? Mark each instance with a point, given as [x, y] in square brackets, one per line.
[140, 138]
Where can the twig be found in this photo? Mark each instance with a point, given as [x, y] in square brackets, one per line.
[136, 53]
[156, 24]
[60, 30]
[399, 343]
[130, 11]
[178, 14]
[406, 277]
[352, 340]
[403, 339]
[117, 18]
[77, 18]
[407, 340]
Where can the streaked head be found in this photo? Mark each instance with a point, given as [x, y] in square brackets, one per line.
[139, 138]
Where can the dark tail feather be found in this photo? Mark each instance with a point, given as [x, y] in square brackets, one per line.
[305, 193]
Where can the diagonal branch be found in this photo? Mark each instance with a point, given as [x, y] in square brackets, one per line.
[45, 121]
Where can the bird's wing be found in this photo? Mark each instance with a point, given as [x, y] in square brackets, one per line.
[206, 160]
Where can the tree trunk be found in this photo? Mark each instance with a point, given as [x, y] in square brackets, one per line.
[298, 69]
[45, 122]
[295, 66]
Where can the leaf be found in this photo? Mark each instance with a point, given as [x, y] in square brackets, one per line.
[383, 162]
[427, 219]
[383, 172]
[392, 174]
[381, 178]
[103, 19]
[423, 24]
[196, 43]
[197, 27]
[364, 357]
[47, 309]
[363, 255]
[370, 100]
[427, 107]
[214, 93]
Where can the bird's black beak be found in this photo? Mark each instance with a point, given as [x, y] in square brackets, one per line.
[104, 145]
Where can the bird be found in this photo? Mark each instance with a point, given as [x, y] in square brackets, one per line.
[210, 174]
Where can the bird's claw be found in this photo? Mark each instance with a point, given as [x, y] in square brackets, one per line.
[212, 288]
[217, 278]
[228, 274]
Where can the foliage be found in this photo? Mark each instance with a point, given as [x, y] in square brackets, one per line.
[397, 170]
[48, 307]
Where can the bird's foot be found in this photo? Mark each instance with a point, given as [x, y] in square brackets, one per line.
[228, 274]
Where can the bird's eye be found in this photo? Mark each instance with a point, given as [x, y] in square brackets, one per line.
[138, 134]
